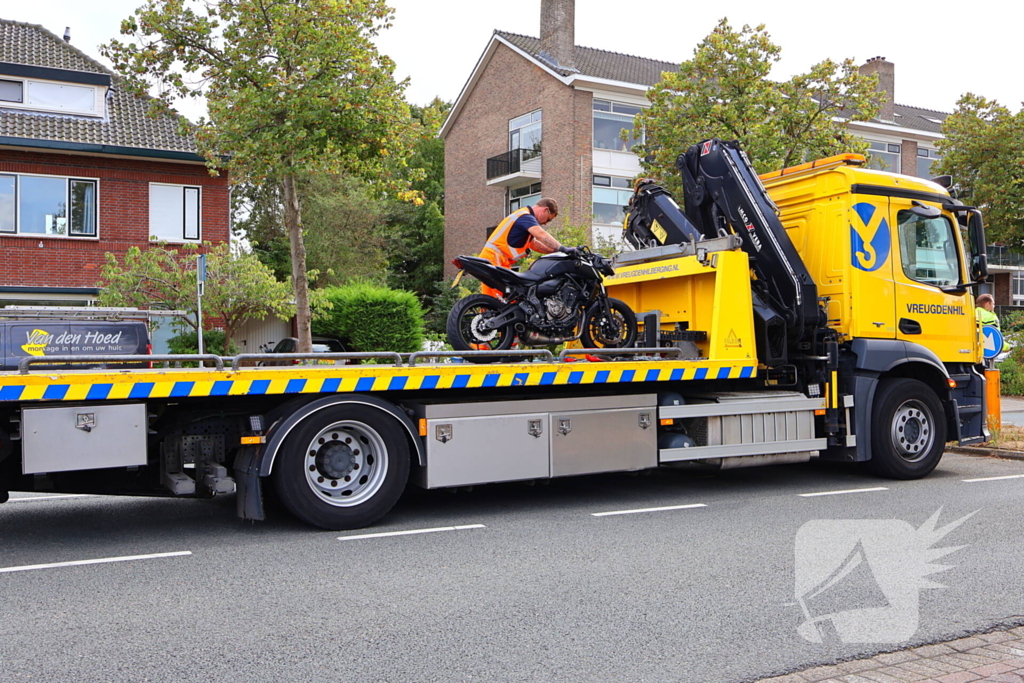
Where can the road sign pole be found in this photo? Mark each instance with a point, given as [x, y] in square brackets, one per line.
[200, 283]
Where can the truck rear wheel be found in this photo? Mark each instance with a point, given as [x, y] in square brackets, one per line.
[908, 431]
[343, 467]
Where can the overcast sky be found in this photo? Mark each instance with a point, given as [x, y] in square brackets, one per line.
[940, 49]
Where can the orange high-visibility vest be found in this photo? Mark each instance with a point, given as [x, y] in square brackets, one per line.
[498, 242]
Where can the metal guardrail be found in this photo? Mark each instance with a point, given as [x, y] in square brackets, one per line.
[24, 363]
[354, 355]
[543, 353]
[670, 351]
[396, 358]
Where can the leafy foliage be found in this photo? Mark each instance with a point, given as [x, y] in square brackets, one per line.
[294, 87]
[238, 287]
[213, 342]
[983, 150]
[724, 92]
[373, 318]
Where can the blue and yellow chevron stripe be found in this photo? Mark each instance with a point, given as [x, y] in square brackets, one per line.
[84, 385]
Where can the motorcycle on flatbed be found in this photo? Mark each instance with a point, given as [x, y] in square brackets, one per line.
[560, 298]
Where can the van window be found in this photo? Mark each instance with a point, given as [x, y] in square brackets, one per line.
[928, 249]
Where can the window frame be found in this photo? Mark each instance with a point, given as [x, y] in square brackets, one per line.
[153, 237]
[530, 192]
[597, 107]
[26, 103]
[898, 152]
[68, 181]
[533, 118]
[618, 184]
[904, 250]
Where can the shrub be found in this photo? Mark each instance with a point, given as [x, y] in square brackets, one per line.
[370, 317]
[213, 342]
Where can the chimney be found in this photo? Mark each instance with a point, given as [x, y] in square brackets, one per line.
[67, 34]
[886, 85]
[558, 33]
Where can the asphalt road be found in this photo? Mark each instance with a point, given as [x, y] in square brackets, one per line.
[537, 588]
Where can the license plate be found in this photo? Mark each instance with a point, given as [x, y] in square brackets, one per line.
[458, 278]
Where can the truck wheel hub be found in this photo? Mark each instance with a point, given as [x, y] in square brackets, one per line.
[912, 431]
[335, 460]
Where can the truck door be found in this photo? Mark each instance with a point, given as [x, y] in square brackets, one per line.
[930, 259]
[872, 310]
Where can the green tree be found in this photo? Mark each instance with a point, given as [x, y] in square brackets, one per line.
[983, 150]
[293, 87]
[238, 287]
[725, 92]
[416, 246]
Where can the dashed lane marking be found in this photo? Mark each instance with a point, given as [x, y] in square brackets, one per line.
[659, 509]
[411, 532]
[104, 560]
[838, 493]
[1008, 476]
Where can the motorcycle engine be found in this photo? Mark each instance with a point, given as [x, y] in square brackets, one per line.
[561, 306]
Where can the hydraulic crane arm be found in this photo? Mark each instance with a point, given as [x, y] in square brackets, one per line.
[721, 189]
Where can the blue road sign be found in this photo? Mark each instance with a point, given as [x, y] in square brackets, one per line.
[993, 341]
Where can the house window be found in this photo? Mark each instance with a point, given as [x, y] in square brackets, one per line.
[11, 91]
[610, 119]
[925, 159]
[48, 205]
[884, 156]
[174, 213]
[50, 96]
[524, 132]
[523, 196]
[610, 195]
[1017, 282]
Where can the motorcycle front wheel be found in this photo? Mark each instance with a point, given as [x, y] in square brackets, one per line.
[465, 332]
[614, 331]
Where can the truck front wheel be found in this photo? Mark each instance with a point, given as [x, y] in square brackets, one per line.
[908, 431]
[343, 467]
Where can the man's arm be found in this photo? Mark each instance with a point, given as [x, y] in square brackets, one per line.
[543, 242]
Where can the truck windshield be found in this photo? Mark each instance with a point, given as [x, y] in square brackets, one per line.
[928, 249]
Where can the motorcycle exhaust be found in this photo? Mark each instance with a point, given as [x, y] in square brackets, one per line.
[538, 339]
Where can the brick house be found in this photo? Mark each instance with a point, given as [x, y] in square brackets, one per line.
[545, 115]
[84, 171]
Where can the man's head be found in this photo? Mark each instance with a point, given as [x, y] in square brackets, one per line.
[986, 301]
[545, 210]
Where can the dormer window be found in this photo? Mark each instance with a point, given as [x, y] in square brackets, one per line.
[52, 91]
[12, 91]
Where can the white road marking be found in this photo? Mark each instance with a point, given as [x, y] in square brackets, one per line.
[411, 532]
[661, 509]
[35, 498]
[1009, 476]
[105, 560]
[836, 493]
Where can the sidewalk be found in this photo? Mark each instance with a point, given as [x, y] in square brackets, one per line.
[995, 657]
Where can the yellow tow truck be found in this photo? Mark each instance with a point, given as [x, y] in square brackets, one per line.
[821, 311]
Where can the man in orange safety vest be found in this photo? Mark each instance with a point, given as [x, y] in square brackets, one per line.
[520, 232]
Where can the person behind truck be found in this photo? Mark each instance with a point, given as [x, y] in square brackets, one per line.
[985, 311]
[520, 232]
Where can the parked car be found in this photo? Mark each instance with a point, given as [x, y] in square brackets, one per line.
[320, 345]
[20, 338]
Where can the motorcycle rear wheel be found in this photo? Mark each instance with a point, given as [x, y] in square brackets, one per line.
[617, 331]
[463, 327]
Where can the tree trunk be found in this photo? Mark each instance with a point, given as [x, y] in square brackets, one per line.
[293, 223]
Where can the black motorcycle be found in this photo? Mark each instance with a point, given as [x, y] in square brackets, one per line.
[560, 298]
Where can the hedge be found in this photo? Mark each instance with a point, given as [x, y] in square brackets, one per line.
[368, 317]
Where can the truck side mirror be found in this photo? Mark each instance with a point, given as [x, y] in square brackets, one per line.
[979, 259]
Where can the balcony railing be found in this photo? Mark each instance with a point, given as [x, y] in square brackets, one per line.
[1002, 256]
[514, 161]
